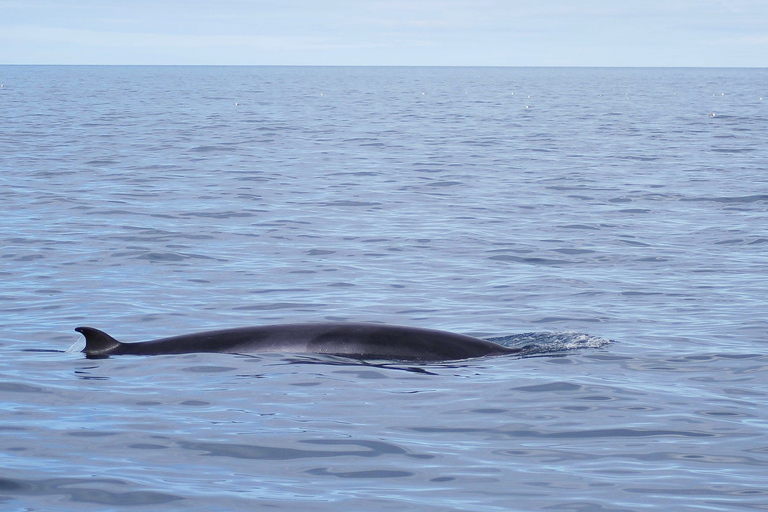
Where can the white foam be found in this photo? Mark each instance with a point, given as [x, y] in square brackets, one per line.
[77, 346]
[533, 343]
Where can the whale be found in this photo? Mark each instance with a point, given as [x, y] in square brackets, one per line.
[355, 340]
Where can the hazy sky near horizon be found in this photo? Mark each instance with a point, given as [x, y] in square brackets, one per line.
[386, 32]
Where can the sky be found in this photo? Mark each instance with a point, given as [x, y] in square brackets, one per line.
[709, 33]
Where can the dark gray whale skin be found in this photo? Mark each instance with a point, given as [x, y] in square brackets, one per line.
[358, 340]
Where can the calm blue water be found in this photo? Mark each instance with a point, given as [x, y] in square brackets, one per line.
[622, 204]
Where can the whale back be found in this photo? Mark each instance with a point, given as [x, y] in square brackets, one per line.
[375, 341]
[359, 340]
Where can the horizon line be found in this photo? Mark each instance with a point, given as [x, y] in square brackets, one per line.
[394, 66]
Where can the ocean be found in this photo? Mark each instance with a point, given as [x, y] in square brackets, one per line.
[616, 217]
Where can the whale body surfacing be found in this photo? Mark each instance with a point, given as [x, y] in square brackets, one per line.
[357, 340]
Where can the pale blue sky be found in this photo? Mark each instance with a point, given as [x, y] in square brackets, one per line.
[386, 32]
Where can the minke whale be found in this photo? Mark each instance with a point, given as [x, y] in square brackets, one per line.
[356, 340]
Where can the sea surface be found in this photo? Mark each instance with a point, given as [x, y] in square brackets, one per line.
[618, 218]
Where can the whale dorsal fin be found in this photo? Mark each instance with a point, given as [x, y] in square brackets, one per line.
[98, 343]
